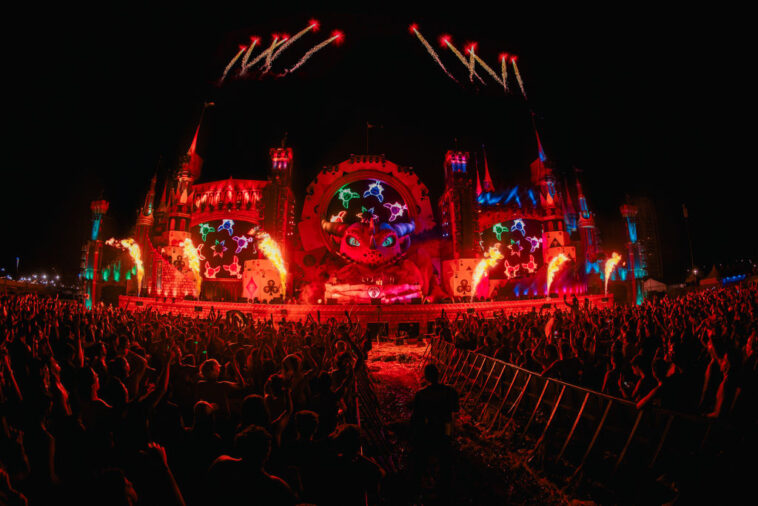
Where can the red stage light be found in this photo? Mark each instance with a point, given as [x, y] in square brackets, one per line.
[314, 24]
[413, 27]
[503, 56]
[444, 40]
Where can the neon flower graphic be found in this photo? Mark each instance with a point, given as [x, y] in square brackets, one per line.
[345, 194]
[375, 189]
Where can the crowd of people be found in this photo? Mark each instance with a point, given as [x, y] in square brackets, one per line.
[695, 354]
[113, 407]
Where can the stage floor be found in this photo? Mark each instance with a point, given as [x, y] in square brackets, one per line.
[394, 316]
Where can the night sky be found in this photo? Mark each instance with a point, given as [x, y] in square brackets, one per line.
[641, 100]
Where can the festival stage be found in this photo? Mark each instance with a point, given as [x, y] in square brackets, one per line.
[395, 316]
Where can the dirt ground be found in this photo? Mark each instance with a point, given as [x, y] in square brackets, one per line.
[485, 471]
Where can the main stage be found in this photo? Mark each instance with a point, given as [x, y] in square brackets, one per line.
[410, 317]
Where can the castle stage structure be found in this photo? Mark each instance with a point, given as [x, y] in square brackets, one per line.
[368, 232]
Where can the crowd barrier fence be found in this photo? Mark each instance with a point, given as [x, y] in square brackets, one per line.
[567, 428]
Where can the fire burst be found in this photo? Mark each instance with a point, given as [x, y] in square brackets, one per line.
[489, 261]
[610, 264]
[431, 51]
[271, 250]
[193, 259]
[336, 35]
[552, 269]
[132, 247]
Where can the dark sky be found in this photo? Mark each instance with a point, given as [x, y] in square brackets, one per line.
[641, 99]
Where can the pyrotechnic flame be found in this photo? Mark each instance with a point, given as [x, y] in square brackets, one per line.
[271, 250]
[446, 40]
[315, 49]
[552, 269]
[610, 264]
[504, 70]
[133, 248]
[193, 259]
[312, 25]
[234, 60]
[487, 68]
[432, 52]
[491, 258]
[518, 76]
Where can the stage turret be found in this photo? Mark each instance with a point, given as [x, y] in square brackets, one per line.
[279, 201]
[587, 228]
[146, 216]
[636, 258]
[92, 253]
[457, 206]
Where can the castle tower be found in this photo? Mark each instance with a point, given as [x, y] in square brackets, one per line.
[93, 255]
[555, 237]
[636, 259]
[569, 211]
[146, 216]
[457, 206]
[279, 201]
[587, 229]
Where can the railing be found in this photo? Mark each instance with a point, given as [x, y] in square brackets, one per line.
[565, 428]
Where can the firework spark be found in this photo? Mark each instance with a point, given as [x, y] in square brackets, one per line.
[132, 247]
[504, 70]
[231, 63]
[518, 76]
[271, 250]
[491, 258]
[315, 49]
[312, 25]
[253, 42]
[445, 39]
[471, 62]
[431, 51]
[610, 264]
[552, 269]
[487, 68]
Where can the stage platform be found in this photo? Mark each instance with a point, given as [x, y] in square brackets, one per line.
[395, 316]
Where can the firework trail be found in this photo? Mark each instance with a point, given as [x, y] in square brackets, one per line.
[193, 259]
[231, 63]
[133, 248]
[487, 68]
[471, 62]
[446, 40]
[610, 264]
[258, 58]
[315, 49]
[270, 53]
[312, 25]
[253, 42]
[504, 70]
[491, 258]
[432, 52]
[518, 77]
[271, 250]
[552, 269]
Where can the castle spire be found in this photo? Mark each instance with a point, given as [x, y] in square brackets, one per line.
[193, 162]
[488, 185]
